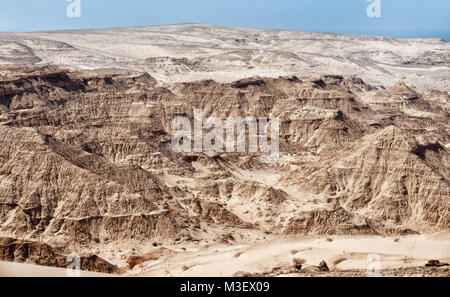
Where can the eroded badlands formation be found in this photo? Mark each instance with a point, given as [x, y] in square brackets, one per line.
[86, 164]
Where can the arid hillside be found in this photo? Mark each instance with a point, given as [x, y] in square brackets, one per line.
[86, 161]
[191, 52]
[87, 166]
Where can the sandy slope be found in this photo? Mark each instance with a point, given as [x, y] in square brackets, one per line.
[192, 52]
[342, 253]
[8, 269]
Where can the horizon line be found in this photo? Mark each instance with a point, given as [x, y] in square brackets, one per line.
[227, 26]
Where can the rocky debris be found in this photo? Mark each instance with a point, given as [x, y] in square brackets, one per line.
[312, 271]
[154, 255]
[435, 263]
[323, 266]
[298, 263]
[397, 272]
[246, 274]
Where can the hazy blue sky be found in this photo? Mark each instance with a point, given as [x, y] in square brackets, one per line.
[399, 18]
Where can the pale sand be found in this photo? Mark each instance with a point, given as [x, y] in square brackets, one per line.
[8, 269]
[343, 253]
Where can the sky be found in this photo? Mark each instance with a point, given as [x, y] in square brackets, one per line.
[399, 18]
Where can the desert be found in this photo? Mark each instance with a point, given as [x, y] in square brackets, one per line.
[361, 185]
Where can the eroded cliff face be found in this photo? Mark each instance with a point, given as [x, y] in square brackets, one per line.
[42, 254]
[86, 161]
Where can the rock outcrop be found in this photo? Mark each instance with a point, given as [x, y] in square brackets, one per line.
[22, 251]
